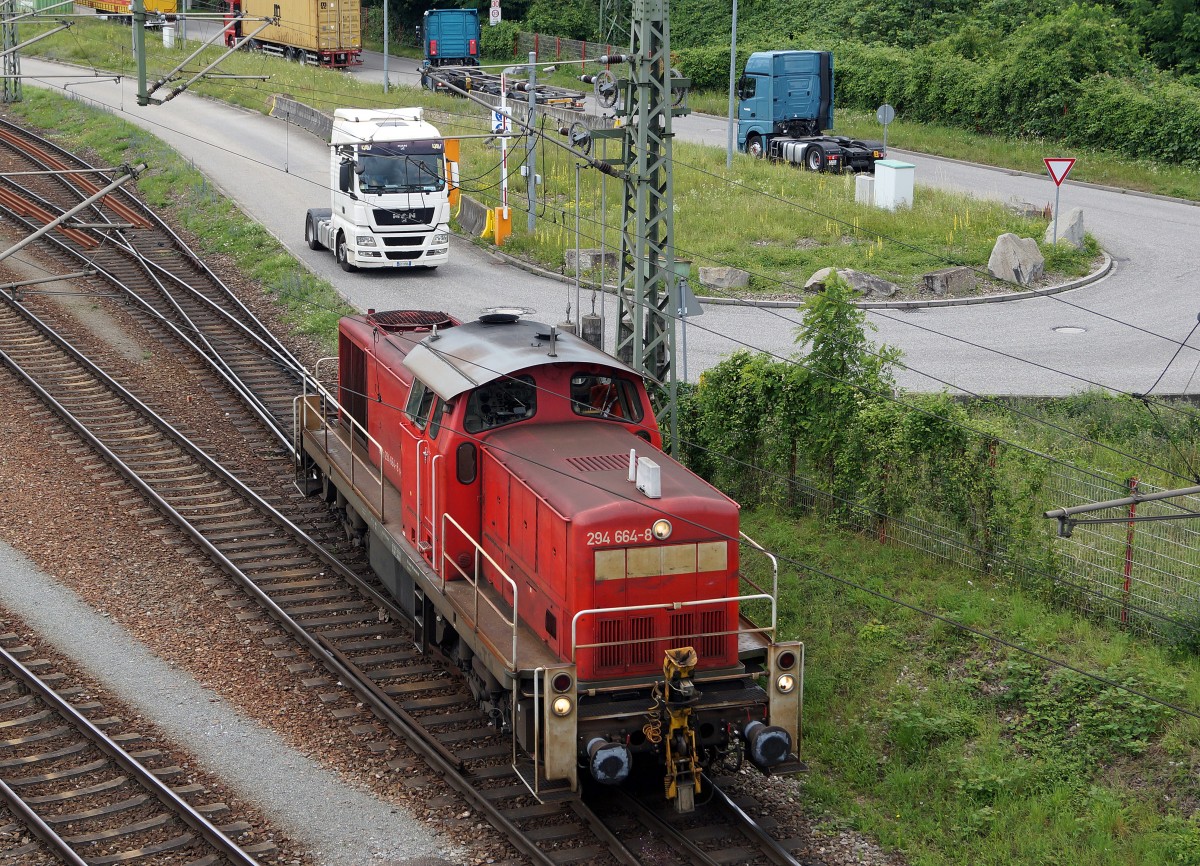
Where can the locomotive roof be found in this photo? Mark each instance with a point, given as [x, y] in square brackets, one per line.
[466, 356]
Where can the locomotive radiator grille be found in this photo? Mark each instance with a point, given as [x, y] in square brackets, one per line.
[633, 644]
[609, 631]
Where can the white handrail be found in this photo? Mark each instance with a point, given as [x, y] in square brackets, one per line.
[774, 567]
[327, 398]
[670, 605]
[473, 580]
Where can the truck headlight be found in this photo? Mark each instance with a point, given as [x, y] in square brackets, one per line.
[440, 238]
[365, 240]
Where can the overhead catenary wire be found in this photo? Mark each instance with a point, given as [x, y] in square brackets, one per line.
[541, 135]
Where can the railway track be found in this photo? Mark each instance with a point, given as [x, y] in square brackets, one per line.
[129, 247]
[81, 795]
[361, 659]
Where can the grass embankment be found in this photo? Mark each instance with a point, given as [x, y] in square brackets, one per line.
[947, 747]
[955, 749]
[776, 222]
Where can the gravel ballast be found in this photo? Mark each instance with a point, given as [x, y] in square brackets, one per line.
[344, 825]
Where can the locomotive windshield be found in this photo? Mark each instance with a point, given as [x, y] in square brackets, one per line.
[504, 401]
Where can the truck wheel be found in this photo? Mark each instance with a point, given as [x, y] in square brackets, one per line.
[342, 256]
[813, 159]
[310, 235]
[754, 147]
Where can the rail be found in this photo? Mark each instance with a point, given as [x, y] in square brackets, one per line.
[671, 605]
[473, 580]
[301, 422]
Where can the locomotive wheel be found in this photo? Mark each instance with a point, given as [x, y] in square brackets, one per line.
[754, 147]
[310, 235]
[342, 256]
[812, 159]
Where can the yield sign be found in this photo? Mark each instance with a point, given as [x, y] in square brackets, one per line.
[1059, 169]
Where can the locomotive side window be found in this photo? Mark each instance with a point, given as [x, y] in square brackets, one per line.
[420, 401]
[438, 418]
[504, 401]
[605, 397]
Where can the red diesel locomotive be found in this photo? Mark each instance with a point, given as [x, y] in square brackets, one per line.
[508, 482]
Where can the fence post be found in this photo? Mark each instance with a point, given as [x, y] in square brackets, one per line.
[608, 52]
[583, 55]
[535, 44]
[1133, 488]
[558, 48]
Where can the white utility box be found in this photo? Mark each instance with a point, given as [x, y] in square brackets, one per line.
[894, 183]
[864, 188]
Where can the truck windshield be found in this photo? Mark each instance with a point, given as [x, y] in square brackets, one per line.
[410, 172]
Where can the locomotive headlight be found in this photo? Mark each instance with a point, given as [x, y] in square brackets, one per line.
[661, 529]
[785, 683]
[561, 706]
[365, 240]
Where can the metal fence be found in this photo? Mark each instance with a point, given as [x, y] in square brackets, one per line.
[556, 48]
[1142, 576]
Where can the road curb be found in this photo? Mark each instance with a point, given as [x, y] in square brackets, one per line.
[1106, 267]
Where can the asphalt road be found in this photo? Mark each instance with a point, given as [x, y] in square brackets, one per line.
[1121, 332]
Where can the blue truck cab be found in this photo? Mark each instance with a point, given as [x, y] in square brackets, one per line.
[785, 111]
[788, 93]
[451, 37]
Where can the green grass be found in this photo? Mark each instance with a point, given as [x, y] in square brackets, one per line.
[776, 222]
[956, 750]
[937, 743]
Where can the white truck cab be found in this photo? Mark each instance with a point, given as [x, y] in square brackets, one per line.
[389, 192]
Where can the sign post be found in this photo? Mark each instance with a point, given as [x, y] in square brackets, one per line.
[1059, 169]
[885, 114]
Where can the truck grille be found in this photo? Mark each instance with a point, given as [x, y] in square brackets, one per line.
[420, 216]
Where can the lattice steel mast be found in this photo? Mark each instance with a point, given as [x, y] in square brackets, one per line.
[648, 298]
[12, 60]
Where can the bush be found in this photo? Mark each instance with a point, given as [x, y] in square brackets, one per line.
[498, 43]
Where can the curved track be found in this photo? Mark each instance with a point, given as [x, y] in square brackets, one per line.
[125, 243]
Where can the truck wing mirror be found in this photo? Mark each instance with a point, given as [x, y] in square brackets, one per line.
[745, 87]
[345, 169]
